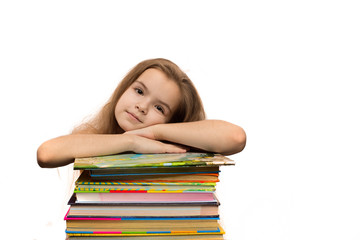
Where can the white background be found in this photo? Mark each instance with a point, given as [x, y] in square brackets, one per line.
[286, 71]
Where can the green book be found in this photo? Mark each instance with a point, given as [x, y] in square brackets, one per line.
[152, 160]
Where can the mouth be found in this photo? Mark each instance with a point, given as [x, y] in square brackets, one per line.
[133, 116]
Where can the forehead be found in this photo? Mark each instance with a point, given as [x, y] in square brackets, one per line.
[159, 86]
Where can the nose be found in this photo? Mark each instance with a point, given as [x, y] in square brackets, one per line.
[141, 107]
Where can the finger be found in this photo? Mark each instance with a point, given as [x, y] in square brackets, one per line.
[187, 148]
[172, 148]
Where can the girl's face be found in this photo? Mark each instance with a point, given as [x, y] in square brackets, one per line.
[150, 100]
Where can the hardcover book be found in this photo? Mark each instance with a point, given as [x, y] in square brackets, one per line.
[152, 160]
[85, 183]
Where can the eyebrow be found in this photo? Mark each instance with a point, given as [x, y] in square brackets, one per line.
[161, 102]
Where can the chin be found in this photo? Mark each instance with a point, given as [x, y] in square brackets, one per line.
[128, 127]
[125, 127]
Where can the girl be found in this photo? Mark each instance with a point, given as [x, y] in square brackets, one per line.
[155, 109]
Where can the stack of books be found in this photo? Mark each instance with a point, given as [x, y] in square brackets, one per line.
[146, 196]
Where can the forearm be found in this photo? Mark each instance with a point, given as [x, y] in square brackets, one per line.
[209, 135]
[63, 150]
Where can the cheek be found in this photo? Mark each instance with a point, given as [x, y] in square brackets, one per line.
[156, 118]
[123, 102]
[117, 108]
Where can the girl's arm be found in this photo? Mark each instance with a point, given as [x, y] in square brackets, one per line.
[63, 150]
[209, 135]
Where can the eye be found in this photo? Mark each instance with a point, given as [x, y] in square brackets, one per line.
[139, 91]
[160, 109]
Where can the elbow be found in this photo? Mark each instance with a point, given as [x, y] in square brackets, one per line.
[53, 154]
[238, 141]
[43, 156]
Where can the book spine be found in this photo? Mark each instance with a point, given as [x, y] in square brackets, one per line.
[147, 233]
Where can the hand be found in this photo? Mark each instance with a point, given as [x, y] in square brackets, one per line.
[145, 145]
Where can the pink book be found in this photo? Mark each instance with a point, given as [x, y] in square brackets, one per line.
[131, 197]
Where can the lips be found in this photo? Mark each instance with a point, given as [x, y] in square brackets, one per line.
[133, 116]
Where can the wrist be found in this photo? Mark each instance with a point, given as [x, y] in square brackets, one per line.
[130, 141]
[157, 131]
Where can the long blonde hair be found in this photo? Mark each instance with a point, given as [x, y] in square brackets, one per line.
[190, 108]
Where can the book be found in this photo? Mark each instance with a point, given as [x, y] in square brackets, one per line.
[141, 188]
[86, 183]
[201, 177]
[168, 234]
[149, 237]
[141, 225]
[152, 160]
[145, 197]
[153, 171]
[74, 202]
[121, 211]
